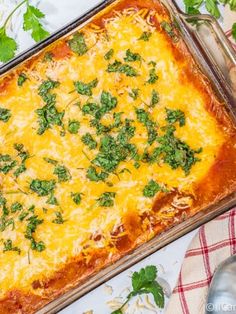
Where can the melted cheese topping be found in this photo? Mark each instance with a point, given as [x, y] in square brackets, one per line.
[67, 240]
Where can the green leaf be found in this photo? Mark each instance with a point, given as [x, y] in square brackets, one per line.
[212, 8]
[62, 173]
[88, 140]
[109, 54]
[234, 31]
[131, 57]
[42, 187]
[174, 116]
[151, 189]
[157, 291]
[5, 114]
[21, 79]
[76, 197]
[73, 126]
[85, 88]
[106, 199]
[77, 44]
[32, 23]
[143, 277]
[145, 36]
[8, 46]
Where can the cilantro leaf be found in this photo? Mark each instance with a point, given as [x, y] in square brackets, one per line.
[117, 66]
[32, 23]
[73, 126]
[95, 176]
[62, 173]
[174, 116]
[106, 199]
[109, 54]
[151, 189]
[145, 36]
[144, 282]
[134, 93]
[59, 219]
[234, 31]
[76, 197]
[131, 56]
[21, 79]
[88, 140]
[5, 114]
[77, 44]
[8, 46]
[153, 77]
[9, 247]
[85, 88]
[154, 98]
[42, 187]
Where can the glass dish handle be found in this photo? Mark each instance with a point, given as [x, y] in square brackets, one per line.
[217, 47]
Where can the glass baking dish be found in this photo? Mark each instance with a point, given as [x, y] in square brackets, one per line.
[217, 60]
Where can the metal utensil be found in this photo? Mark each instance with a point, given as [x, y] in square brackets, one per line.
[222, 292]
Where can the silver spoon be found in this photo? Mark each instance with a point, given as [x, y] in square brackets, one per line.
[221, 297]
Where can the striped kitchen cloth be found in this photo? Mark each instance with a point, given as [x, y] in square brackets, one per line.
[214, 242]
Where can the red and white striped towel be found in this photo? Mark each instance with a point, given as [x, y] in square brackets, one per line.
[214, 242]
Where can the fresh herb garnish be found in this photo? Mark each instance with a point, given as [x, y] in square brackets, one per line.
[42, 187]
[150, 125]
[176, 153]
[16, 207]
[8, 246]
[76, 197]
[59, 219]
[131, 56]
[21, 79]
[32, 23]
[5, 114]
[144, 282]
[24, 155]
[6, 163]
[106, 199]
[117, 66]
[77, 44]
[62, 173]
[154, 98]
[234, 31]
[174, 116]
[145, 36]
[153, 77]
[94, 175]
[33, 223]
[85, 88]
[48, 115]
[109, 54]
[73, 126]
[32, 16]
[151, 189]
[48, 56]
[88, 140]
[134, 93]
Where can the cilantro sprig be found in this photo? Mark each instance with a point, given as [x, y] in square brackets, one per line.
[212, 6]
[32, 17]
[144, 282]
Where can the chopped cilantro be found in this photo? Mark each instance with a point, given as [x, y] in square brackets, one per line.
[134, 93]
[5, 114]
[33, 223]
[153, 77]
[154, 98]
[44, 91]
[52, 199]
[21, 79]
[145, 36]
[62, 172]
[174, 116]
[42, 187]
[109, 54]
[73, 126]
[131, 56]
[85, 88]
[77, 44]
[16, 207]
[76, 197]
[6, 163]
[117, 66]
[88, 140]
[8, 246]
[37, 246]
[150, 125]
[151, 189]
[93, 175]
[90, 108]
[59, 219]
[106, 199]
[51, 161]
[176, 153]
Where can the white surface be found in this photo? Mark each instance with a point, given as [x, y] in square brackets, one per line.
[169, 259]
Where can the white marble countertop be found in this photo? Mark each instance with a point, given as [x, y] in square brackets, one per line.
[168, 260]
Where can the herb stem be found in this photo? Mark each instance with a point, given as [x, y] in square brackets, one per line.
[15, 9]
